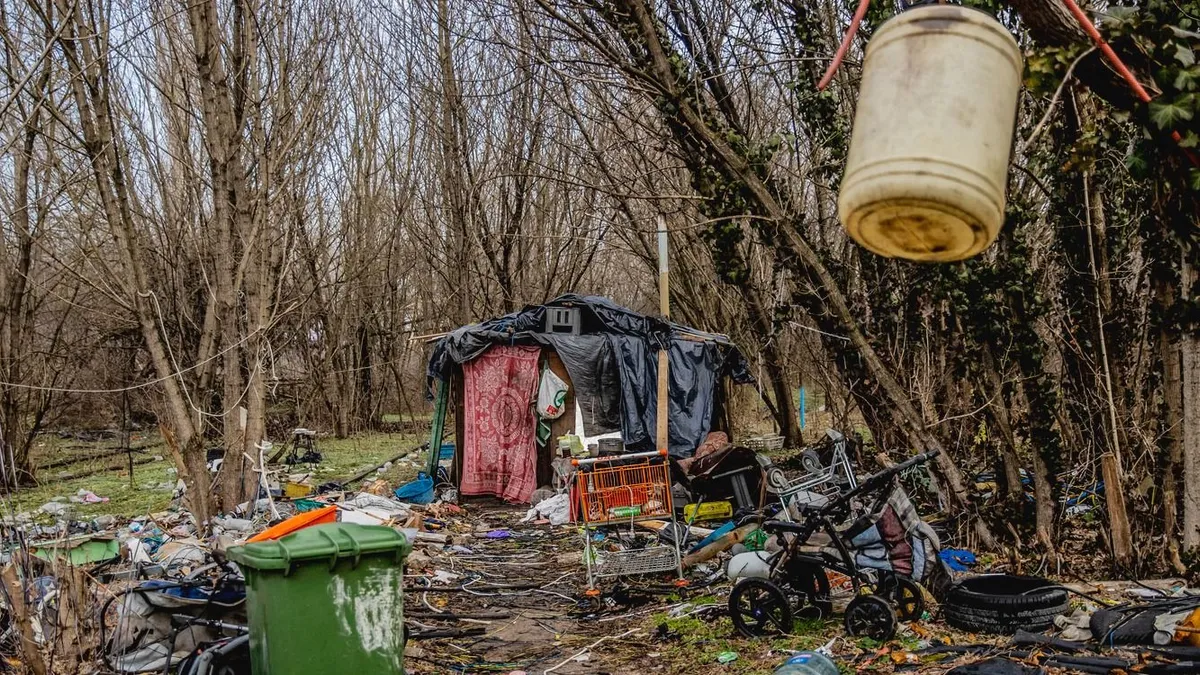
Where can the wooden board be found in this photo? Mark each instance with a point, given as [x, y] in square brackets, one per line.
[565, 423]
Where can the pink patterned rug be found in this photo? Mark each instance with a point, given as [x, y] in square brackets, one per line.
[499, 428]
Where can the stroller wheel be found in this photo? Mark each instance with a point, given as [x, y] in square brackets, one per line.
[871, 616]
[759, 607]
[909, 599]
[811, 461]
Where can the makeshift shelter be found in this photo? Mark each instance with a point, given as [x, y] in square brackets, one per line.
[606, 355]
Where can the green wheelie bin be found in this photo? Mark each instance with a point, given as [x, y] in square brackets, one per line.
[326, 599]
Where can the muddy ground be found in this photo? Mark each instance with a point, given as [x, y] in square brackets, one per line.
[544, 623]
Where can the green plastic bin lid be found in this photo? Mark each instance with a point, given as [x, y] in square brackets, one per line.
[329, 543]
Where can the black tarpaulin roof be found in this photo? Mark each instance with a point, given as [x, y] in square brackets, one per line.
[613, 364]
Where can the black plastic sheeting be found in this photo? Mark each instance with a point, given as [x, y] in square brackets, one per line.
[613, 364]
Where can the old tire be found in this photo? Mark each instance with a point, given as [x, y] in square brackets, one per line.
[1002, 603]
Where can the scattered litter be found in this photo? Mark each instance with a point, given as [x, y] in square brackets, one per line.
[54, 508]
[557, 509]
[234, 524]
[88, 497]
[959, 559]
[137, 552]
[498, 534]
[727, 657]
[443, 577]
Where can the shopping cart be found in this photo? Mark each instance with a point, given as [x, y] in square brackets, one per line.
[622, 490]
[828, 473]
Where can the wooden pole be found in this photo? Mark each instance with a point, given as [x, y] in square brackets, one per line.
[664, 306]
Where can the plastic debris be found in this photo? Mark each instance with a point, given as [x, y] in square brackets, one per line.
[959, 559]
[87, 497]
[557, 509]
[54, 508]
[419, 491]
[727, 657]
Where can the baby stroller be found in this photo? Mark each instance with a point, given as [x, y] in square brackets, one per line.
[884, 553]
[156, 626]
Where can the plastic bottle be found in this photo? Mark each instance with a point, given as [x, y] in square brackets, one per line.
[807, 663]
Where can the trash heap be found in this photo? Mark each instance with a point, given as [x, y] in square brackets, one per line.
[800, 548]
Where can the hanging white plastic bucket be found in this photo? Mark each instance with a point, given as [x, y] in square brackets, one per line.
[928, 162]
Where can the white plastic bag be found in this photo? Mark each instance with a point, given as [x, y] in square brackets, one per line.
[556, 508]
[552, 396]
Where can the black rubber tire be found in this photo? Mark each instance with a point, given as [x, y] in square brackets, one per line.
[1002, 603]
[999, 622]
[758, 607]
[1006, 592]
[871, 616]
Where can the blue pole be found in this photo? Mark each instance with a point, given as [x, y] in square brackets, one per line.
[801, 407]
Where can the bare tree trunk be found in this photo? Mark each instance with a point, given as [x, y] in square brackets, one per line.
[455, 188]
[907, 418]
[1189, 365]
[1171, 426]
[82, 46]
[1008, 440]
[13, 415]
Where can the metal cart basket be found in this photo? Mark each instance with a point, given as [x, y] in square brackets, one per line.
[620, 490]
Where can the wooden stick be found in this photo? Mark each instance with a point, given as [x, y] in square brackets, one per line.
[368, 472]
[20, 614]
[102, 469]
[108, 452]
[658, 525]
[449, 616]
[477, 588]
[719, 546]
[664, 306]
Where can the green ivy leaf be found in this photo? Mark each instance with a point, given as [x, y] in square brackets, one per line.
[1185, 80]
[1137, 165]
[1194, 176]
[1185, 55]
[1189, 140]
[1166, 115]
[1185, 34]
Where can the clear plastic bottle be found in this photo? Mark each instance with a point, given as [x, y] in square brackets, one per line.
[807, 663]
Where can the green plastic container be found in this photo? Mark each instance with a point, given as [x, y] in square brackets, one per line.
[332, 597]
